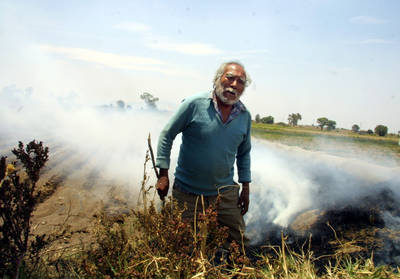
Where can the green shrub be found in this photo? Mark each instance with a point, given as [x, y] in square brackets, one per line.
[267, 120]
[17, 202]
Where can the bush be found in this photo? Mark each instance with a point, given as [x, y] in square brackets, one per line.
[381, 130]
[17, 202]
[267, 120]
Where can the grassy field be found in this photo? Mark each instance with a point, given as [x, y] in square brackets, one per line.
[339, 141]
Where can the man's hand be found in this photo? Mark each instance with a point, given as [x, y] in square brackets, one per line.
[162, 185]
[244, 201]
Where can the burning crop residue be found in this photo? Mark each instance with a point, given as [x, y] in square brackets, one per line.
[334, 200]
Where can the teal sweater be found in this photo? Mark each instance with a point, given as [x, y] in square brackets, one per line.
[209, 147]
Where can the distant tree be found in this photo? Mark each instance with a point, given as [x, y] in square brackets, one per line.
[120, 104]
[267, 120]
[258, 118]
[322, 122]
[149, 99]
[355, 128]
[294, 118]
[331, 125]
[370, 132]
[381, 130]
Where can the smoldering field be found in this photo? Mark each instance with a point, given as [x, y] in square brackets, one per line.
[98, 154]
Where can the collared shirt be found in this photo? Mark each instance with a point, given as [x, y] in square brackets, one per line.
[236, 108]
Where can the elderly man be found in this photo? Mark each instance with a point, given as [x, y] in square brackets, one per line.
[215, 129]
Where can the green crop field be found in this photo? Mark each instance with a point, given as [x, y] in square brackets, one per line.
[338, 141]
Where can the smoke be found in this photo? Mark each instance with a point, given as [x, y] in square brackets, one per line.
[111, 140]
[111, 144]
[289, 180]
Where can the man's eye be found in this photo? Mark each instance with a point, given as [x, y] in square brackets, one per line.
[230, 78]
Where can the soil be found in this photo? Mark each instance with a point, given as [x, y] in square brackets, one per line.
[75, 193]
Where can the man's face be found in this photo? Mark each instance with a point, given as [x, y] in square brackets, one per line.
[231, 85]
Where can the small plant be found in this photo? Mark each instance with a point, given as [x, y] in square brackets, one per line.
[17, 202]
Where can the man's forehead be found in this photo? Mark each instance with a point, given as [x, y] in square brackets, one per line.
[236, 70]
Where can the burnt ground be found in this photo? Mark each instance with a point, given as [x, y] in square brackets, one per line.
[365, 227]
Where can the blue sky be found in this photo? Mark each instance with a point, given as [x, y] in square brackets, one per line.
[337, 59]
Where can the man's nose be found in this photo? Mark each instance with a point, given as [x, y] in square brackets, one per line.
[234, 83]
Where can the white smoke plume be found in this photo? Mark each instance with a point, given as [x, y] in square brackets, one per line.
[111, 140]
[286, 180]
[289, 180]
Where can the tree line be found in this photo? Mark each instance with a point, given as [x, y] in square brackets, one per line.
[322, 122]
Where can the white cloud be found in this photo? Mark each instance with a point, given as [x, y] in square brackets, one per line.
[366, 20]
[104, 58]
[375, 41]
[133, 26]
[187, 48]
[114, 61]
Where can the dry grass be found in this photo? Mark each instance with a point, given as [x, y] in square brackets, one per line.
[160, 244]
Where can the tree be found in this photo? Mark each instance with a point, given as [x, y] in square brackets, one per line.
[331, 125]
[294, 118]
[381, 130]
[370, 132]
[149, 99]
[267, 120]
[322, 121]
[258, 119]
[120, 104]
[355, 128]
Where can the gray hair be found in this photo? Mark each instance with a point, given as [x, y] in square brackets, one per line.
[221, 70]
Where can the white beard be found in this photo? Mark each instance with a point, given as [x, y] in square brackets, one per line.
[219, 91]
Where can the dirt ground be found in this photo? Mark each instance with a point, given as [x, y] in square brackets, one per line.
[76, 194]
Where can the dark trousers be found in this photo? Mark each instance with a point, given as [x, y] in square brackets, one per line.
[228, 211]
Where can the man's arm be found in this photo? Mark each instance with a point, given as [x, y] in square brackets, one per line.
[243, 156]
[243, 166]
[176, 124]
